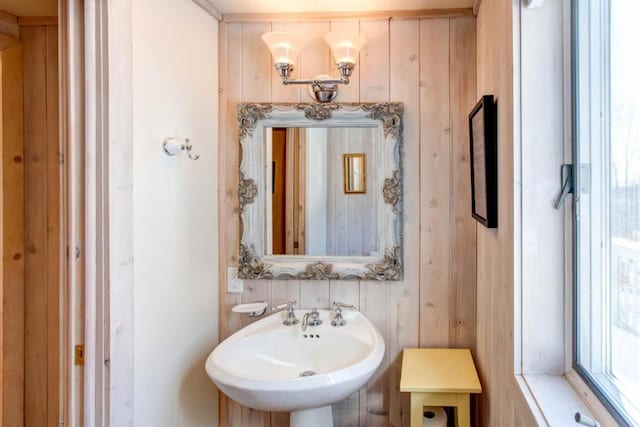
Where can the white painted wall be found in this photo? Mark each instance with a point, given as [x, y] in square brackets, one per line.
[316, 191]
[175, 87]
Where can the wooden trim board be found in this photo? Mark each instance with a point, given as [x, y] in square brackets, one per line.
[208, 7]
[71, 58]
[25, 21]
[476, 7]
[9, 24]
[7, 17]
[330, 16]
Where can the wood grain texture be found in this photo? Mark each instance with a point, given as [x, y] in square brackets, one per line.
[256, 66]
[494, 355]
[462, 272]
[407, 61]
[435, 185]
[6, 41]
[9, 24]
[12, 234]
[36, 283]
[42, 225]
[374, 86]
[404, 297]
[230, 92]
[53, 209]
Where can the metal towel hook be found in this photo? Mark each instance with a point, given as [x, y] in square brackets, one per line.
[172, 146]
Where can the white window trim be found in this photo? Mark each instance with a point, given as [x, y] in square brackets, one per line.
[553, 394]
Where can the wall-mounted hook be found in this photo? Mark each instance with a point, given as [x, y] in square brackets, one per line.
[172, 146]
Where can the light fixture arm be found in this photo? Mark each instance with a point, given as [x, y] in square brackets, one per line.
[345, 69]
[315, 82]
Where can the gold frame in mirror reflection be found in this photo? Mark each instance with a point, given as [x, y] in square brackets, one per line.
[354, 167]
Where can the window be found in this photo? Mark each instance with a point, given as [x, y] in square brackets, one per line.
[606, 87]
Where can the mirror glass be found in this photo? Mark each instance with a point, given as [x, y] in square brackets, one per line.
[322, 195]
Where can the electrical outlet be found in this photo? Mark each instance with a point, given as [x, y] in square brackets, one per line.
[235, 285]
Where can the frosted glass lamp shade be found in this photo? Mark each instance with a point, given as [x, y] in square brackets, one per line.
[284, 47]
[345, 46]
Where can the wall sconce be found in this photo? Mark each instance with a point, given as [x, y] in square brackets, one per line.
[285, 48]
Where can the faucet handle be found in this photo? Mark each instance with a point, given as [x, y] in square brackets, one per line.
[338, 306]
[286, 305]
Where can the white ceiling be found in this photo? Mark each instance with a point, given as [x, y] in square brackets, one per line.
[292, 6]
[30, 7]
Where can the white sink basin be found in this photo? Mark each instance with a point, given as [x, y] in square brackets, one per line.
[261, 365]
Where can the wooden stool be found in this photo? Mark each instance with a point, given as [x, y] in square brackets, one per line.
[439, 377]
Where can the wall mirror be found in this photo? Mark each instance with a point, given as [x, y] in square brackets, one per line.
[320, 191]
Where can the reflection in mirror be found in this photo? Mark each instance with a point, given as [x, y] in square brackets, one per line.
[317, 201]
[354, 169]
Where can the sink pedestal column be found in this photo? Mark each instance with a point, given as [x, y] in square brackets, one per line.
[318, 417]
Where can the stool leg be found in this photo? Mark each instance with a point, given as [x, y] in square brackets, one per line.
[463, 411]
[416, 410]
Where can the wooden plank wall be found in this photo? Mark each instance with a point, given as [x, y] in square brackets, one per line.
[501, 402]
[42, 224]
[430, 66]
[12, 236]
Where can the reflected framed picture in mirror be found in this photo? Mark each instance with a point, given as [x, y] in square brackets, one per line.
[355, 173]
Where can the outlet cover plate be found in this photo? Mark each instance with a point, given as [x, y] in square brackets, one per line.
[235, 285]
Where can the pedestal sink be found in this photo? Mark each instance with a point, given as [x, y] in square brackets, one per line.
[272, 367]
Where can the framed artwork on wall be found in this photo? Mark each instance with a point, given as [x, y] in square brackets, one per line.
[483, 146]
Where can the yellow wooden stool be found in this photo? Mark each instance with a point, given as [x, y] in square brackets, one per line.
[439, 377]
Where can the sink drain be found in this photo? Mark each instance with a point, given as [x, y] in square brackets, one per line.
[307, 374]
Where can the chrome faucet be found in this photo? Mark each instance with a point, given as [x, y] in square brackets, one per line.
[291, 315]
[315, 319]
[338, 320]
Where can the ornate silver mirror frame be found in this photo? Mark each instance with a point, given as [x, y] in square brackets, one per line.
[253, 263]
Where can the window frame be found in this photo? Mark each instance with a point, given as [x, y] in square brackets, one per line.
[618, 414]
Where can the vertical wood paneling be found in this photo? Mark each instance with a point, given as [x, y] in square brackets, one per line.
[256, 63]
[12, 235]
[35, 143]
[54, 171]
[494, 355]
[230, 51]
[374, 297]
[404, 303]
[374, 61]
[285, 290]
[42, 177]
[418, 63]
[256, 66]
[435, 152]
[315, 58]
[463, 226]
[314, 293]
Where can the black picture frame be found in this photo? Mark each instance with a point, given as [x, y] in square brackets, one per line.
[483, 161]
